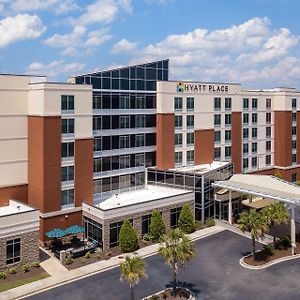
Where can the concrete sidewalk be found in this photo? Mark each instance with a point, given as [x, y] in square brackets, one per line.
[60, 275]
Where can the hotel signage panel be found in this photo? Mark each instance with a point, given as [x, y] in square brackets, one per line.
[182, 87]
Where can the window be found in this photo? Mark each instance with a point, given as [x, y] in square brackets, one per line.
[227, 151]
[178, 158]
[124, 162]
[97, 102]
[67, 149]
[140, 140]
[67, 103]
[245, 103]
[227, 103]
[268, 145]
[67, 126]
[254, 103]
[254, 118]
[294, 130]
[178, 103]
[245, 118]
[190, 121]
[140, 160]
[245, 148]
[217, 103]
[67, 197]
[140, 102]
[97, 165]
[268, 160]
[178, 121]
[268, 103]
[227, 135]
[227, 119]
[254, 162]
[217, 153]
[140, 121]
[217, 136]
[294, 144]
[174, 216]
[294, 177]
[190, 138]
[178, 139]
[294, 158]
[190, 104]
[13, 251]
[268, 132]
[124, 121]
[254, 147]
[245, 133]
[146, 220]
[124, 141]
[190, 156]
[97, 123]
[268, 117]
[67, 173]
[217, 120]
[114, 231]
[124, 102]
[294, 103]
[93, 230]
[294, 117]
[254, 133]
[245, 163]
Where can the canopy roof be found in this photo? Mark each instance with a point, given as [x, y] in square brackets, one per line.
[262, 185]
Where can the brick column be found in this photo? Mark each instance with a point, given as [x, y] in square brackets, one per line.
[204, 146]
[236, 141]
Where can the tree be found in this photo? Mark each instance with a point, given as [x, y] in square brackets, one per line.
[276, 214]
[128, 240]
[176, 249]
[157, 226]
[255, 223]
[132, 270]
[186, 220]
[278, 175]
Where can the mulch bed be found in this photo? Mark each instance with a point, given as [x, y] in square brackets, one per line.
[167, 295]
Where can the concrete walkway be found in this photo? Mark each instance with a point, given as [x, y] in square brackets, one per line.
[60, 275]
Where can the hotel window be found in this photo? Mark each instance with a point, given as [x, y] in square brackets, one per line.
[97, 123]
[254, 118]
[217, 103]
[254, 147]
[13, 251]
[294, 130]
[67, 126]
[190, 138]
[227, 151]
[97, 102]
[178, 139]
[268, 103]
[227, 135]
[67, 103]
[254, 162]
[124, 102]
[140, 140]
[190, 121]
[217, 120]
[268, 160]
[245, 133]
[178, 122]
[294, 117]
[174, 216]
[178, 103]
[227, 103]
[217, 153]
[190, 156]
[140, 160]
[124, 141]
[245, 163]
[254, 103]
[268, 117]
[245, 148]
[67, 197]
[190, 104]
[294, 103]
[67, 173]
[254, 133]
[124, 121]
[140, 103]
[268, 145]
[245, 118]
[124, 162]
[97, 144]
[97, 186]
[140, 121]
[294, 158]
[178, 158]
[294, 177]
[245, 103]
[146, 220]
[268, 132]
[97, 165]
[227, 119]
[217, 136]
[294, 144]
[67, 149]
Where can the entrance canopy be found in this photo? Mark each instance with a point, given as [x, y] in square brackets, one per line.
[265, 186]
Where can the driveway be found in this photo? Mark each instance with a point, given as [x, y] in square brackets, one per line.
[214, 273]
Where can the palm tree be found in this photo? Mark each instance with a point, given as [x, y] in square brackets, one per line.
[132, 270]
[276, 214]
[255, 223]
[176, 249]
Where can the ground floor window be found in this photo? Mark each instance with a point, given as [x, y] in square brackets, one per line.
[93, 230]
[114, 231]
[13, 251]
[174, 216]
[146, 224]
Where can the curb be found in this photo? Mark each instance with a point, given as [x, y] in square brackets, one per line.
[267, 265]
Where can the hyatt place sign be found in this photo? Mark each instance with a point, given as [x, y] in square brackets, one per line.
[182, 87]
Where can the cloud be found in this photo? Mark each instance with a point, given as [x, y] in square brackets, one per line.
[124, 46]
[19, 28]
[159, 2]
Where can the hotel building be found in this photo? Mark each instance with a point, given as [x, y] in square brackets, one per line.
[78, 151]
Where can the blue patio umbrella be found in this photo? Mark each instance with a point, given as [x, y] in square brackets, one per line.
[56, 233]
[75, 229]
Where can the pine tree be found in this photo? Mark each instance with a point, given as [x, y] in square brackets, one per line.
[186, 220]
[128, 240]
[157, 226]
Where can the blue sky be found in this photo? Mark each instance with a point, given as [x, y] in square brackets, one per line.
[255, 42]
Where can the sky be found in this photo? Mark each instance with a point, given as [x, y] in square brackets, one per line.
[253, 42]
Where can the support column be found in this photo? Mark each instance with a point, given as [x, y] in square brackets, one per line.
[293, 231]
[230, 209]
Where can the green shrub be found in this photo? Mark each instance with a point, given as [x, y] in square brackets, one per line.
[12, 270]
[154, 297]
[286, 242]
[128, 239]
[2, 275]
[199, 224]
[108, 253]
[83, 260]
[210, 222]
[146, 237]
[278, 175]
[26, 268]
[186, 220]
[36, 264]
[268, 249]
[157, 226]
[69, 260]
[88, 255]
[297, 182]
[98, 255]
